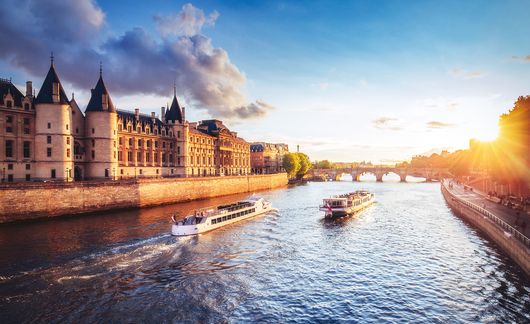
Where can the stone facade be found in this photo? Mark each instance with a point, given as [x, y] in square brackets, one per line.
[23, 201]
[48, 138]
[267, 157]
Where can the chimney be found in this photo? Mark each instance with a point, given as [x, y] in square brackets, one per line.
[29, 89]
[153, 116]
[162, 112]
[137, 112]
[183, 114]
[297, 148]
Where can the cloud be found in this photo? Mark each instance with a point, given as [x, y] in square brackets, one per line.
[438, 124]
[387, 123]
[135, 62]
[521, 58]
[466, 75]
[188, 22]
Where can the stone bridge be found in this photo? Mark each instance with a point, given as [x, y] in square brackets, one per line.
[379, 171]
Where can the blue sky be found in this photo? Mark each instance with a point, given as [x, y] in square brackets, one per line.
[347, 80]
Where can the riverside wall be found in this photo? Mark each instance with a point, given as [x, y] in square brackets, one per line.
[24, 201]
[502, 236]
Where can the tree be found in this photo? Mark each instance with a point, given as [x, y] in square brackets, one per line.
[291, 164]
[324, 164]
[305, 165]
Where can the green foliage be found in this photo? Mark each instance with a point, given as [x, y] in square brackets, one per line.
[291, 164]
[324, 164]
[305, 165]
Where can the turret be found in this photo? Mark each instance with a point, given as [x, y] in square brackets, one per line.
[173, 117]
[53, 130]
[101, 133]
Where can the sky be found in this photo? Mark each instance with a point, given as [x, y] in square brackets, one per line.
[345, 80]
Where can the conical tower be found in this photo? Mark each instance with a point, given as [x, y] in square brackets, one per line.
[53, 130]
[175, 118]
[101, 123]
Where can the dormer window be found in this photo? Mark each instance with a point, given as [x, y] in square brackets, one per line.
[9, 104]
[104, 102]
[55, 92]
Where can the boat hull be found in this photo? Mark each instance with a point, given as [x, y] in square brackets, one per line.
[187, 230]
[343, 212]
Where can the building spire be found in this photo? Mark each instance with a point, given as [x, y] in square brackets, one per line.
[174, 88]
[73, 96]
[100, 69]
[51, 58]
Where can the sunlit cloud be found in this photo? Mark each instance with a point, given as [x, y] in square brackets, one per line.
[438, 124]
[387, 123]
[151, 61]
[466, 75]
[521, 58]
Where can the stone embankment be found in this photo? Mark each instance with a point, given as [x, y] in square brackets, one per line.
[23, 201]
[508, 238]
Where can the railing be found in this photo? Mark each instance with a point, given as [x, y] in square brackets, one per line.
[507, 227]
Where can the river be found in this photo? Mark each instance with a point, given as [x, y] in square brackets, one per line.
[407, 258]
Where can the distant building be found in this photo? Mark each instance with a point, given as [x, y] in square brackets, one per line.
[267, 157]
[48, 137]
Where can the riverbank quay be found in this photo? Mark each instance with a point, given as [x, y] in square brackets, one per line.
[25, 201]
[499, 223]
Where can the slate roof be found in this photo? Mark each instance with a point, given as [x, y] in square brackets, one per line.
[174, 113]
[145, 120]
[95, 103]
[5, 87]
[45, 95]
[257, 147]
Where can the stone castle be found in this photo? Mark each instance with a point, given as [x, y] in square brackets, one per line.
[48, 138]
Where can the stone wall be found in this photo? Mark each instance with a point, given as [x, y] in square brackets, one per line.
[23, 201]
[512, 246]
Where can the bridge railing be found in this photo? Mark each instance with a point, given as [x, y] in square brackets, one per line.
[505, 226]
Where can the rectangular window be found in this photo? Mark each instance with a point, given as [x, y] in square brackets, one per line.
[129, 156]
[93, 143]
[26, 130]
[49, 125]
[119, 156]
[28, 177]
[178, 150]
[139, 143]
[10, 166]
[114, 143]
[67, 140]
[178, 134]
[28, 166]
[178, 161]
[9, 176]
[48, 139]
[53, 174]
[26, 121]
[27, 151]
[9, 129]
[9, 148]
[156, 144]
[130, 142]
[148, 143]
[93, 130]
[138, 156]
[163, 144]
[9, 119]
[121, 140]
[66, 126]
[93, 154]
[147, 157]
[67, 153]
[77, 130]
[49, 151]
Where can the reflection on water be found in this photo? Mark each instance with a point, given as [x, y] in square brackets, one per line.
[406, 258]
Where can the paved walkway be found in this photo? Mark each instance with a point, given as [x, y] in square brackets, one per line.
[508, 215]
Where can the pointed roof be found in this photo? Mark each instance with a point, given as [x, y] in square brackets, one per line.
[7, 87]
[45, 95]
[96, 100]
[174, 113]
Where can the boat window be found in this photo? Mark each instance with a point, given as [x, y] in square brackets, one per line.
[214, 221]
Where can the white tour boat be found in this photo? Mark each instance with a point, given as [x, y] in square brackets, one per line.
[208, 219]
[347, 204]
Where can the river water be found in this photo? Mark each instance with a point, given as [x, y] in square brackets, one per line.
[407, 258]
